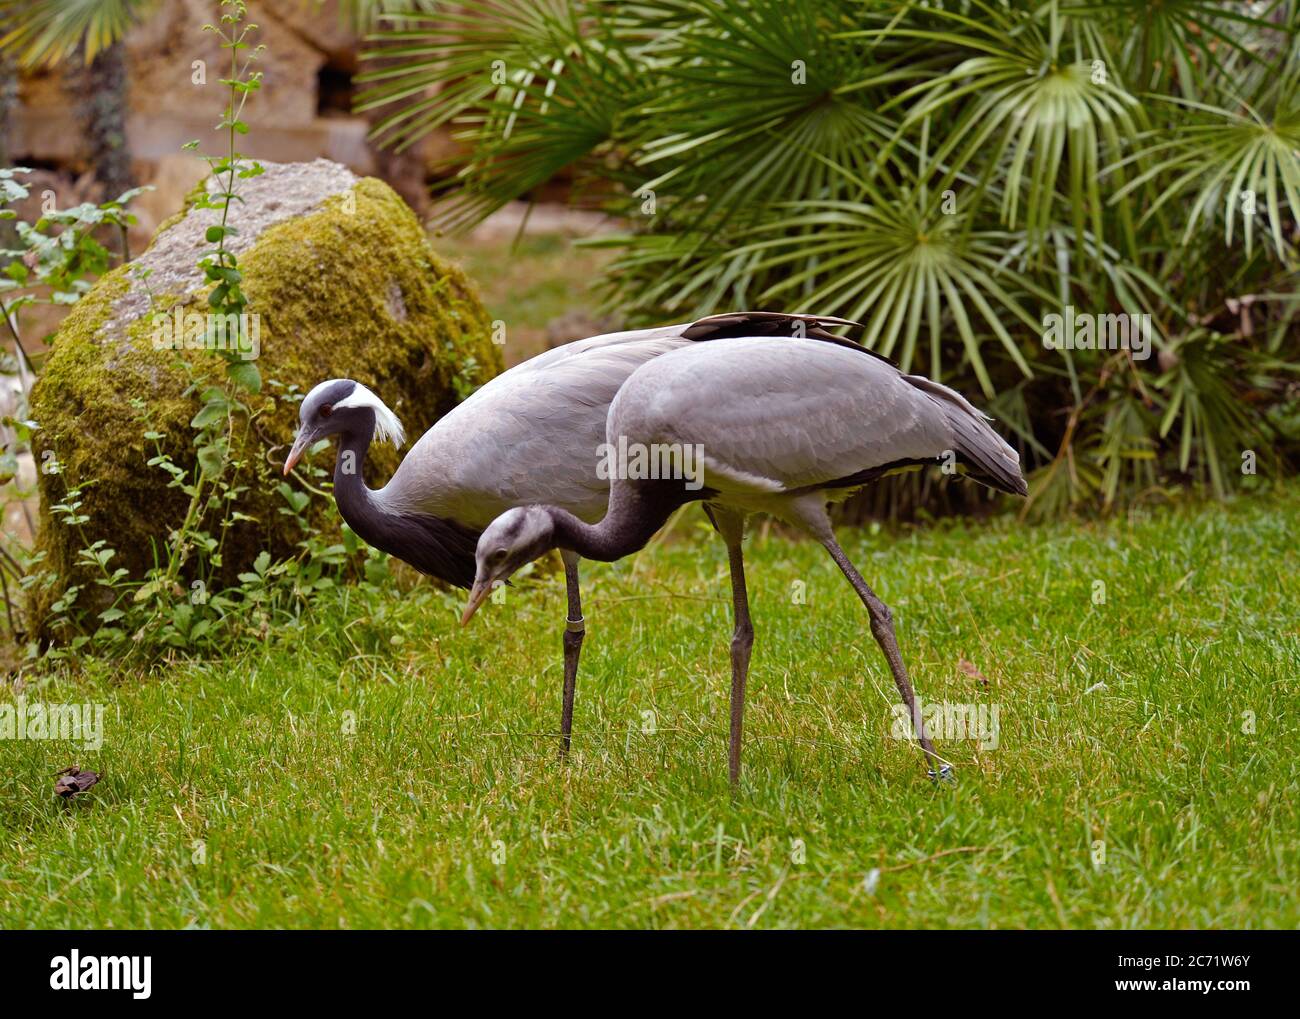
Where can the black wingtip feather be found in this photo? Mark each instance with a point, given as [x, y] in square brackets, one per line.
[777, 324]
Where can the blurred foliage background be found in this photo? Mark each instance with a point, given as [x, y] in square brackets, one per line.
[945, 173]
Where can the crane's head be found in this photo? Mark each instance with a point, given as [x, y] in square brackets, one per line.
[342, 407]
[516, 537]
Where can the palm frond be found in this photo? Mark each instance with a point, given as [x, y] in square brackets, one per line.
[364, 15]
[1042, 97]
[1199, 39]
[432, 69]
[43, 33]
[1231, 162]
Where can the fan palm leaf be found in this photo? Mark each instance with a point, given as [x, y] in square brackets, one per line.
[434, 68]
[1239, 162]
[1045, 96]
[1192, 35]
[43, 33]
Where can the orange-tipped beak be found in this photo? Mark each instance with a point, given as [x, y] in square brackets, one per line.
[300, 445]
[477, 596]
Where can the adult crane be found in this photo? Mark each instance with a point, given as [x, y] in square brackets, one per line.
[781, 428]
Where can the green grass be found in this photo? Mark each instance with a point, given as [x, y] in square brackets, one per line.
[1121, 723]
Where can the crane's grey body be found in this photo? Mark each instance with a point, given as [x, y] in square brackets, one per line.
[781, 428]
[530, 435]
[779, 421]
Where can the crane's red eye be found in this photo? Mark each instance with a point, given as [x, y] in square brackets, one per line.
[326, 410]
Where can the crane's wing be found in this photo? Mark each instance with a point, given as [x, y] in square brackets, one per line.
[781, 417]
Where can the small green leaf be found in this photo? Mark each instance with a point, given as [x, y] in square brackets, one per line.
[210, 414]
[245, 375]
[210, 461]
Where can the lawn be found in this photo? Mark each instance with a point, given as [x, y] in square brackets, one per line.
[381, 767]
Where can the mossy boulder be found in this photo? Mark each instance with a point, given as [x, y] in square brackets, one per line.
[344, 283]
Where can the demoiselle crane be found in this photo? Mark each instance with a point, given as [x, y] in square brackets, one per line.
[528, 436]
[781, 428]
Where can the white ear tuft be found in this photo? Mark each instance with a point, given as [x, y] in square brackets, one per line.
[387, 427]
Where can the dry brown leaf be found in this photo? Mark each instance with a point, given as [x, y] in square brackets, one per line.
[73, 780]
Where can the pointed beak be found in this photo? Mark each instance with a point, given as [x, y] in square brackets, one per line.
[477, 595]
[300, 444]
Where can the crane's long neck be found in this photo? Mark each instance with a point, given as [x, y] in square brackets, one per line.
[635, 513]
[356, 502]
[440, 547]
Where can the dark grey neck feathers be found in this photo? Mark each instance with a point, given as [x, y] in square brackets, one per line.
[636, 511]
[441, 548]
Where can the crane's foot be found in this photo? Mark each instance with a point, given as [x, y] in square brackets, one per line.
[944, 776]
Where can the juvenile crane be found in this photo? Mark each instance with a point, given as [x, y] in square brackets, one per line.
[783, 428]
[528, 436]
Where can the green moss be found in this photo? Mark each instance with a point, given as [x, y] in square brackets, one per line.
[85, 438]
[351, 290]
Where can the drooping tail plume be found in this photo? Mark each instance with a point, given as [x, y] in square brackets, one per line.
[985, 454]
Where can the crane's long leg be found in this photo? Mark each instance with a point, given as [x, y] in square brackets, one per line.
[742, 643]
[731, 526]
[574, 630]
[882, 628]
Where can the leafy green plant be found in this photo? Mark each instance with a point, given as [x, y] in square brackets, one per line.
[158, 614]
[57, 260]
[60, 254]
[226, 301]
